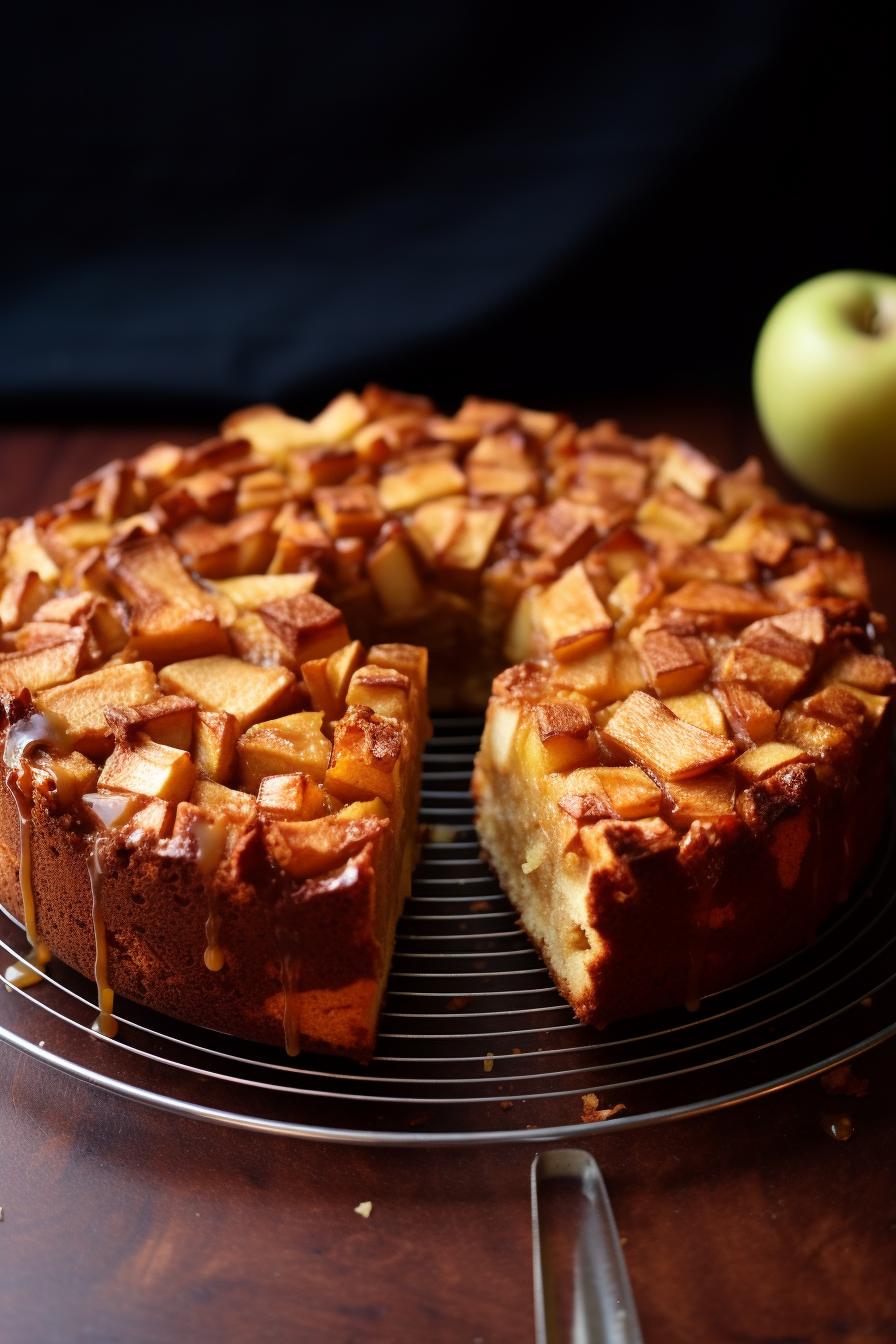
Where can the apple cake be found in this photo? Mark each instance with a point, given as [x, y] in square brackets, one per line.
[214, 671]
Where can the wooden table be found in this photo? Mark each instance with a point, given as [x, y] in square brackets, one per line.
[126, 1224]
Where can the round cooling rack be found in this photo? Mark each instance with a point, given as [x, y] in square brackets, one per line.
[475, 1043]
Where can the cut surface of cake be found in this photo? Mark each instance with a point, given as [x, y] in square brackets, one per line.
[213, 672]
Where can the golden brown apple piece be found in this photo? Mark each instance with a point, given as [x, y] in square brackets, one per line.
[261, 490]
[684, 466]
[350, 510]
[394, 577]
[700, 709]
[66, 777]
[383, 690]
[250, 591]
[169, 613]
[731, 606]
[563, 532]
[48, 665]
[216, 800]
[229, 685]
[610, 674]
[26, 553]
[307, 848]
[328, 678]
[572, 617]
[148, 768]
[704, 799]
[752, 719]
[366, 756]
[95, 614]
[291, 798]
[651, 734]
[21, 598]
[79, 706]
[864, 670]
[671, 515]
[223, 550]
[153, 822]
[403, 490]
[761, 761]
[306, 626]
[168, 720]
[775, 680]
[609, 791]
[737, 490]
[283, 746]
[673, 656]
[564, 737]
[214, 745]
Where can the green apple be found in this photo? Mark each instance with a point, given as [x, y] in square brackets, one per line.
[824, 383]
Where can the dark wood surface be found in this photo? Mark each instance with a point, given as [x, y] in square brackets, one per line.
[126, 1224]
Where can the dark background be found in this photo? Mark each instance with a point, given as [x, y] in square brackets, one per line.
[204, 206]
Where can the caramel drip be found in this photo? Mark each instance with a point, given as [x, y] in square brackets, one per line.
[292, 1026]
[26, 972]
[21, 739]
[105, 1024]
[210, 838]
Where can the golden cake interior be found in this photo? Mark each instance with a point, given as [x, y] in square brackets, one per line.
[213, 664]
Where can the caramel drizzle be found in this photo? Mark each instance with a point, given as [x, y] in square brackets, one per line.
[105, 1024]
[21, 739]
[210, 838]
[292, 1025]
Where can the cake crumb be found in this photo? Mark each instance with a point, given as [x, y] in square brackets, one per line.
[489, 1062]
[866, 1003]
[479, 906]
[842, 1082]
[535, 856]
[591, 1109]
[41, 1044]
[516, 1050]
[460, 1001]
[442, 835]
[505, 1105]
[365, 1208]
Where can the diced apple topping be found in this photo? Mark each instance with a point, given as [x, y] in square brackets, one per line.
[366, 755]
[230, 685]
[26, 553]
[703, 799]
[563, 738]
[21, 598]
[291, 798]
[169, 613]
[404, 490]
[608, 675]
[732, 606]
[48, 665]
[215, 800]
[652, 735]
[149, 768]
[283, 747]
[700, 709]
[572, 617]
[68, 777]
[214, 745]
[761, 761]
[774, 679]
[394, 576]
[684, 466]
[383, 690]
[307, 848]
[251, 591]
[752, 719]
[609, 791]
[328, 678]
[350, 510]
[863, 670]
[80, 706]
[306, 626]
[168, 720]
[673, 656]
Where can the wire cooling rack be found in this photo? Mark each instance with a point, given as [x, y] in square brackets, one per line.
[475, 1043]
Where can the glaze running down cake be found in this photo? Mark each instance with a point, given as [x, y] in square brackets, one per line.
[213, 670]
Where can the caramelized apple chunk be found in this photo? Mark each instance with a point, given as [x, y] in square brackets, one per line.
[653, 736]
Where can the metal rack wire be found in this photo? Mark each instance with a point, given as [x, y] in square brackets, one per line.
[475, 1043]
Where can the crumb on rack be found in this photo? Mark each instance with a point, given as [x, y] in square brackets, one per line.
[842, 1082]
[489, 1062]
[365, 1208]
[460, 1001]
[442, 835]
[591, 1109]
[505, 1105]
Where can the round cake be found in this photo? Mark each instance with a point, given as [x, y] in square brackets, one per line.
[214, 670]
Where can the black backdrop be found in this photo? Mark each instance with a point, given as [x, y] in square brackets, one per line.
[208, 205]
